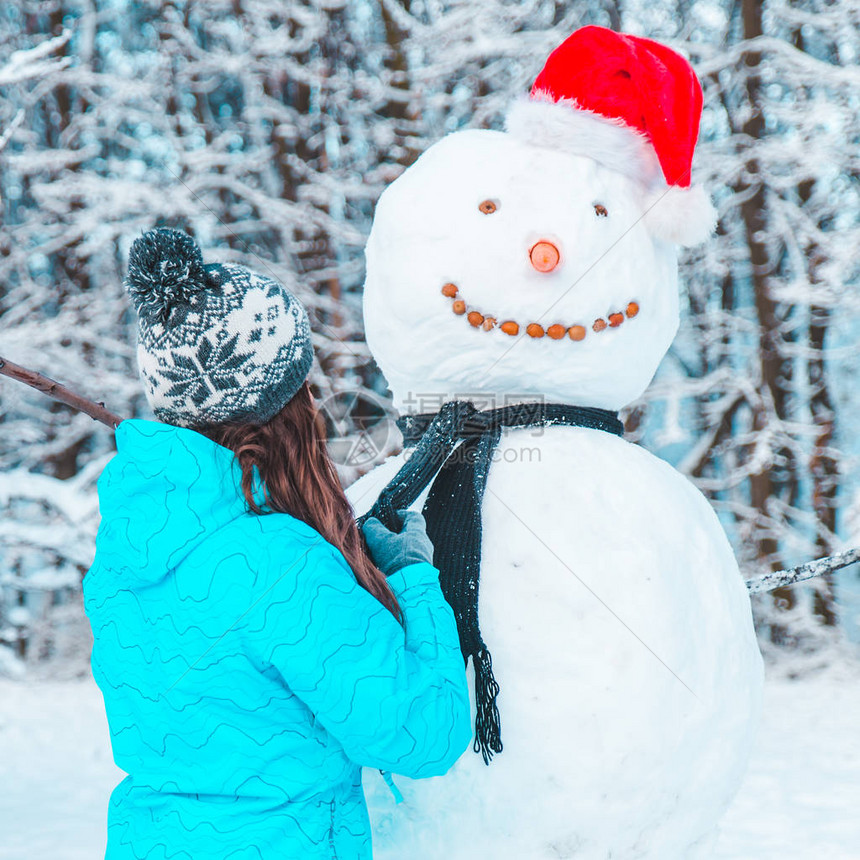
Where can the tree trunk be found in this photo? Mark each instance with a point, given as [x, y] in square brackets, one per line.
[772, 369]
[399, 109]
[823, 468]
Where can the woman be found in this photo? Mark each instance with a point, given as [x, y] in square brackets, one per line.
[252, 657]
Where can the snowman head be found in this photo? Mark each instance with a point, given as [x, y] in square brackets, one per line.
[541, 263]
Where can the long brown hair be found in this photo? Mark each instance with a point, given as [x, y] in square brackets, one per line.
[299, 479]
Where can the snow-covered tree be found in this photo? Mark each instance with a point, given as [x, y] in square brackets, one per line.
[771, 298]
[268, 128]
[251, 124]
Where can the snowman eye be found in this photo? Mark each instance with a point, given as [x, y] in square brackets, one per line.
[600, 210]
[488, 206]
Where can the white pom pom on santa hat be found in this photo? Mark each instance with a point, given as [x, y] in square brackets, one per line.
[633, 105]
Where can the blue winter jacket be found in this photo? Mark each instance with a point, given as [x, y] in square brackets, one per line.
[247, 677]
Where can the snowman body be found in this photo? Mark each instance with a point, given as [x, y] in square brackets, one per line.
[622, 643]
[618, 623]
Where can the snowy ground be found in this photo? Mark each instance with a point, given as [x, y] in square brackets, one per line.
[800, 800]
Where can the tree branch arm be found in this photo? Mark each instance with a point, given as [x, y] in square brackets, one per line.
[55, 390]
[818, 567]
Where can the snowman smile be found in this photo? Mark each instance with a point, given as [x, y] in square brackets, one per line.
[511, 327]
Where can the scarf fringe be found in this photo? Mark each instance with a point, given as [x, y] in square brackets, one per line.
[488, 728]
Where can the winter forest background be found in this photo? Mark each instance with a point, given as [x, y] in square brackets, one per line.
[268, 129]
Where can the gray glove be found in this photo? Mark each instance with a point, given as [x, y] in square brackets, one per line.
[391, 551]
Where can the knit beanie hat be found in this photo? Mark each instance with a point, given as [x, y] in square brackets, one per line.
[216, 343]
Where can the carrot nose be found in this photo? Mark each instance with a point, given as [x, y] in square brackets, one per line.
[544, 256]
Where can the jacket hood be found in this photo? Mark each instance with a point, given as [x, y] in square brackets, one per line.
[166, 490]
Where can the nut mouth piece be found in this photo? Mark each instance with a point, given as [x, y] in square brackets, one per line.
[557, 331]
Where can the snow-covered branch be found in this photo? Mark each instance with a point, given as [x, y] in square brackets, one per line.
[803, 572]
[35, 62]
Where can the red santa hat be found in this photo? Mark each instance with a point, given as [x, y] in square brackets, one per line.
[633, 105]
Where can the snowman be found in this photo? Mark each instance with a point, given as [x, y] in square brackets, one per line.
[536, 269]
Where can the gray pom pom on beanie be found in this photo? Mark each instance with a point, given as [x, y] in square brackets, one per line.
[216, 343]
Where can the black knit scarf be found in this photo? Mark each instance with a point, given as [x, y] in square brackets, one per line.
[453, 513]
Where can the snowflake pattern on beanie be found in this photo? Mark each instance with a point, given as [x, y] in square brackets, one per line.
[235, 346]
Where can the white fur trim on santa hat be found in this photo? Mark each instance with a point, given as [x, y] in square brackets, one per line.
[684, 216]
[564, 125]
